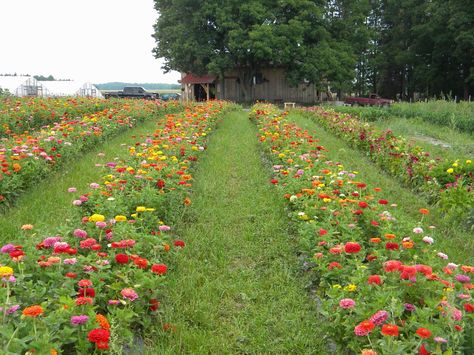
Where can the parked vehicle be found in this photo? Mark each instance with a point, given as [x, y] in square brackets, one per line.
[372, 100]
[132, 92]
[170, 96]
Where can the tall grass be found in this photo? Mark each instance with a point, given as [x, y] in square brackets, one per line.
[458, 116]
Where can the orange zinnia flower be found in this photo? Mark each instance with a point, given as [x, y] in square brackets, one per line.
[424, 211]
[423, 333]
[33, 311]
[390, 329]
[103, 322]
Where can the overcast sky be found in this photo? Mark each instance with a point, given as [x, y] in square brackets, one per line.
[86, 40]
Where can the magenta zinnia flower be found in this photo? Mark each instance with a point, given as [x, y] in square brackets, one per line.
[462, 278]
[78, 320]
[13, 309]
[380, 317]
[8, 248]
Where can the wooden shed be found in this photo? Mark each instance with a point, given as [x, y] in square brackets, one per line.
[198, 88]
[269, 84]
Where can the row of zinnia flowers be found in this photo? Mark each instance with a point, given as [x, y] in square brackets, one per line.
[382, 284]
[26, 158]
[440, 179]
[97, 283]
[18, 115]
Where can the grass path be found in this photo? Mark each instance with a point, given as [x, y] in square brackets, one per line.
[457, 243]
[235, 288]
[48, 204]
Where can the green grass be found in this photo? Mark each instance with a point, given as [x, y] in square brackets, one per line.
[458, 244]
[236, 287]
[438, 141]
[48, 205]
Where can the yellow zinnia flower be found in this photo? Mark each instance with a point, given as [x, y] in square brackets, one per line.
[5, 271]
[96, 218]
[350, 288]
[141, 209]
[120, 218]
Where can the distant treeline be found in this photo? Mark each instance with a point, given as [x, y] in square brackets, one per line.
[147, 86]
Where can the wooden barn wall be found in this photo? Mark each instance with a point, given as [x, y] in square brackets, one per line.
[275, 88]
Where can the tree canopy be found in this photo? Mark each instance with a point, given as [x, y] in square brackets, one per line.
[394, 47]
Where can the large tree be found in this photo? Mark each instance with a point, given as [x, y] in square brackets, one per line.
[208, 36]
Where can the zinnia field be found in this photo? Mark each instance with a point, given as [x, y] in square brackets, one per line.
[145, 227]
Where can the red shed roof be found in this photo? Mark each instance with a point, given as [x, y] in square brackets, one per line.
[194, 79]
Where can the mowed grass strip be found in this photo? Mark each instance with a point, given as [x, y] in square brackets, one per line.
[455, 242]
[236, 288]
[439, 141]
[48, 205]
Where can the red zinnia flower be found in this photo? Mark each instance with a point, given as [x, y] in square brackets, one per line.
[423, 333]
[392, 246]
[423, 350]
[154, 304]
[352, 247]
[81, 301]
[159, 269]
[390, 329]
[363, 204]
[121, 258]
[392, 265]
[71, 275]
[99, 335]
[334, 265]
[160, 184]
[407, 272]
[141, 263]
[83, 292]
[274, 181]
[84, 283]
[469, 307]
[375, 279]
[383, 202]
[179, 243]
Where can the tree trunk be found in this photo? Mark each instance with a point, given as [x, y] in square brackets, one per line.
[246, 84]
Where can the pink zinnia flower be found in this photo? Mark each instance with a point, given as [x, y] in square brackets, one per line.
[77, 202]
[71, 189]
[347, 303]
[70, 261]
[79, 233]
[50, 241]
[101, 225]
[129, 294]
[164, 228]
[428, 240]
[443, 256]
[417, 230]
[380, 317]
[94, 185]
